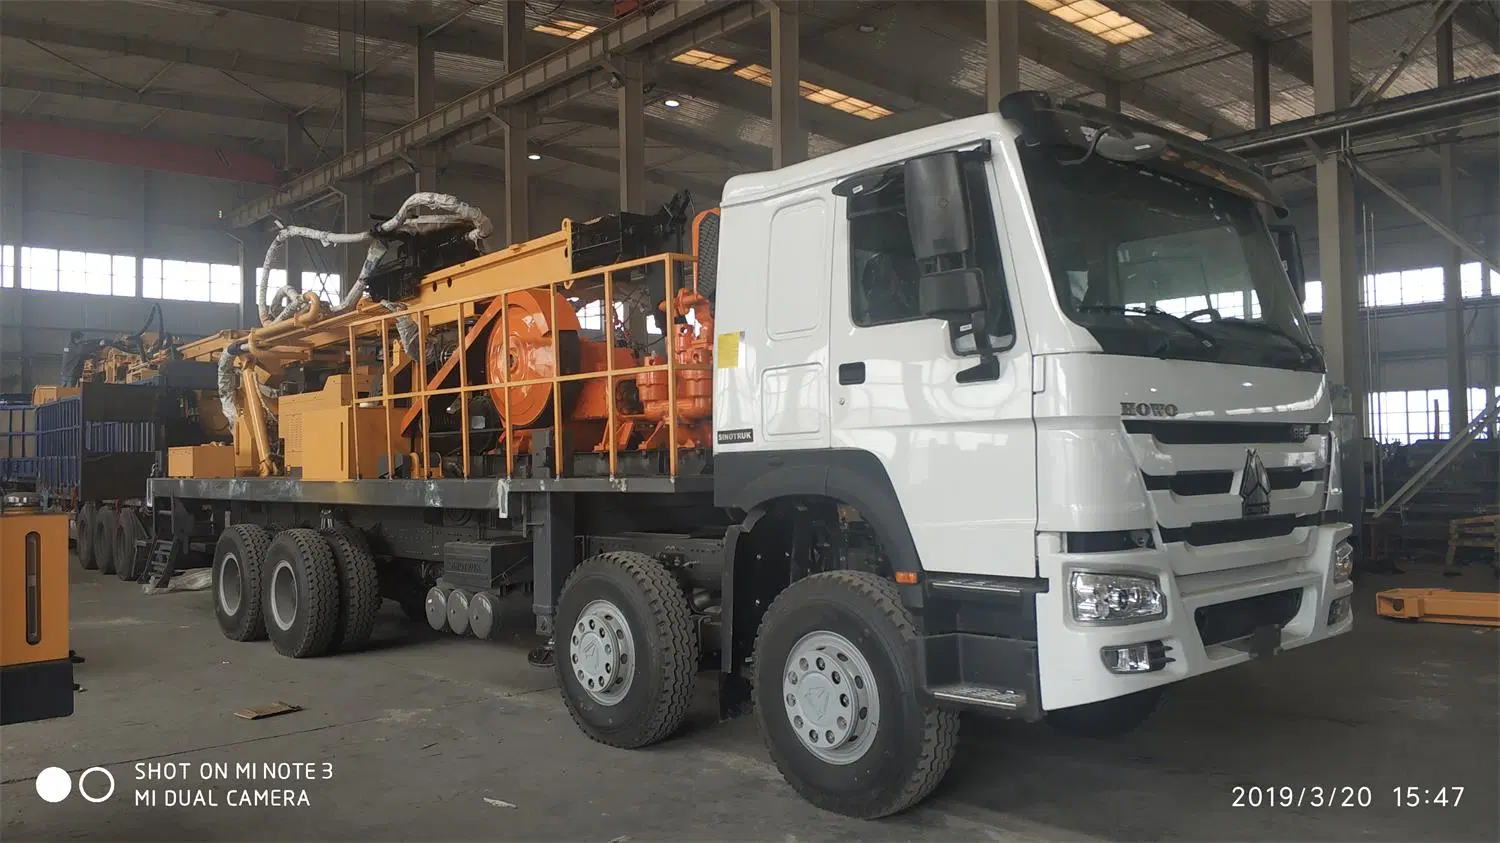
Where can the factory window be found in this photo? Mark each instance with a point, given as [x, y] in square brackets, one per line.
[38, 268]
[325, 284]
[1413, 415]
[190, 281]
[1407, 287]
[1314, 301]
[7, 266]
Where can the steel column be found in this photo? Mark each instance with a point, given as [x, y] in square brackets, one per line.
[357, 190]
[788, 138]
[1002, 37]
[299, 158]
[630, 99]
[1453, 297]
[1260, 74]
[1342, 341]
[424, 100]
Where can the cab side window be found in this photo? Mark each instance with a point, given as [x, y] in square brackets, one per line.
[884, 277]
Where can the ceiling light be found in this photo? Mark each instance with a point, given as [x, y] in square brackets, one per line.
[1095, 18]
[535, 156]
[671, 103]
[704, 59]
[760, 74]
[566, 29]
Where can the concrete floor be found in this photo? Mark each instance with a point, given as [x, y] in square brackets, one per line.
[423, 729]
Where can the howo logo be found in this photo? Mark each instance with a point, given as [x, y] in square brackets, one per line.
[1131, 408]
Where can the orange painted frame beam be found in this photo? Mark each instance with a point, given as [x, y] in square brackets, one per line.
[127, 151]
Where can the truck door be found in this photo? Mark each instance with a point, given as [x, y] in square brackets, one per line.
[959, 452]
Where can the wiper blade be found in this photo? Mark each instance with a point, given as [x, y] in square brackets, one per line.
[1203, 337]
[1308, 350]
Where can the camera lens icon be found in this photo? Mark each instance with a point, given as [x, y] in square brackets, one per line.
[54, 784]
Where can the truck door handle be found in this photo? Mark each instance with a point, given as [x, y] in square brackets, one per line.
[851, 373]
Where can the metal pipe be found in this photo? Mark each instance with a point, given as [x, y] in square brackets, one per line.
[1408, 54]
[1484, 89]
[1432, 222]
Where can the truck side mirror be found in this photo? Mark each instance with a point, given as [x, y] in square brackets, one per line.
[1291, 258]
[937, 207]
[954, 295]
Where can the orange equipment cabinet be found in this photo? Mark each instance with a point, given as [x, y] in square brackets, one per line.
[36, 672]
[319, 430]
[203, 462]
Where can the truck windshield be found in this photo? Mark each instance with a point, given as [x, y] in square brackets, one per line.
[1155, 265]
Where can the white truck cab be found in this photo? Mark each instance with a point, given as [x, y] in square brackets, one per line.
[1053, 359]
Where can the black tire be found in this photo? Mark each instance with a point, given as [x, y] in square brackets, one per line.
[359, 588]
[414, 606]
[300, 593]
[125, 538]
[663, 647]
[914, 741]
[1105, 719]
[106, 525]
[239, 560]
[83, 527]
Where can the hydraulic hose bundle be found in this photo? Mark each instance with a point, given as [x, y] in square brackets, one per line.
[443, 212]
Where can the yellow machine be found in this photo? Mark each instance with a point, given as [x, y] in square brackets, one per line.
[36, 671]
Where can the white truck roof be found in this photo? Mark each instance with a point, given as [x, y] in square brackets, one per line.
[756, 187]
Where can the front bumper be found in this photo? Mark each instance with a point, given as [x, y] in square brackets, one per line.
[1209, 623]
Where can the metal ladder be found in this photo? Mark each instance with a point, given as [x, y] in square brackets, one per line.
[1441, 460]
[163, 563]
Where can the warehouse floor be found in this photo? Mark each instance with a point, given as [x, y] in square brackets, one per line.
[435, 738]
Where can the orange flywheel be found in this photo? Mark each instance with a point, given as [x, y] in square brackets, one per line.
[523, 351]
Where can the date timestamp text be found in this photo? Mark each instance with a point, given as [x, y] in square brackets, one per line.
[1344, 796]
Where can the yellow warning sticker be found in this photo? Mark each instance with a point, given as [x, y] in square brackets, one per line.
[727, 351]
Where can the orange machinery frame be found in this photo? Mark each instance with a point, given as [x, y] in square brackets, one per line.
[482, 290]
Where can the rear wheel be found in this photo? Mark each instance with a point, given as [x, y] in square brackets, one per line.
[106, 524]
[300, 593]
[239, 558]
[125, 539]
[359, 588]
[836, 696]
[1110, 718]
[626, 651]
[83, 528]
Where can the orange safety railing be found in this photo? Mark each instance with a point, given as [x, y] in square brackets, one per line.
[414, 406]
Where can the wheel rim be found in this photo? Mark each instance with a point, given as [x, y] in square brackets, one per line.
[283, 595]
[831, 698]
[231, 584]
[603, 652]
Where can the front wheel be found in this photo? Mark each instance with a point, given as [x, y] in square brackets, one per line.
[836, 696]
[626, 652]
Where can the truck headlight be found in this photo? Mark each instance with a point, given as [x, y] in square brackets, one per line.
[1109, 598]
[1343, 563]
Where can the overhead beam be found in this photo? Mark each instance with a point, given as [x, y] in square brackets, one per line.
[131, 151]
[233, 61]
[542, 85]
[235, 109]
[1480, 20]
[243, 110]
[458, 37]
[740, 153]
[966, 20]
[1245, 32]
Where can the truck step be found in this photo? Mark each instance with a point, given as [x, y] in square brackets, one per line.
[162, 564]
[979, 695]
